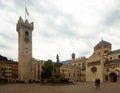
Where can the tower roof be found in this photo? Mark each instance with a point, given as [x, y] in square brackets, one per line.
[102, 42]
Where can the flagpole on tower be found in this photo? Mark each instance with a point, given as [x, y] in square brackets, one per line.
[24, 10]
[25, 13]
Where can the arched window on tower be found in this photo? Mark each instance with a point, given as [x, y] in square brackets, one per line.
[26, 33]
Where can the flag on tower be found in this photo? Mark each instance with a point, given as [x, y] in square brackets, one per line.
[26, 11]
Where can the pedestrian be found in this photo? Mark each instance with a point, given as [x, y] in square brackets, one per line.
[98, 82]
[95, 81]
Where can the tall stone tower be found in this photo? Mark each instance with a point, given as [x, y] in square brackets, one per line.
[24, 29]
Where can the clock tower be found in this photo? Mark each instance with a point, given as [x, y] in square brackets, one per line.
[24, 29]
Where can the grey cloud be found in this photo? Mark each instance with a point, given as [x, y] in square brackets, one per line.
[15, 4]
[112, 17]
[2, 5]
[5, 6]
[51, 13]
[19, 3]
[85, 52]
[69, 29]
[45, 7]
[66, 29]
[8, 37]
[4, 46]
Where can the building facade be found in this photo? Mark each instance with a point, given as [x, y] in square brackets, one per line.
[37, 69]
[75, 69]
[103, 63]
[8, 70]
[14, 71]
[112, 66]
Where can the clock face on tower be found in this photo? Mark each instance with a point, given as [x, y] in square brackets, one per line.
[26, 39]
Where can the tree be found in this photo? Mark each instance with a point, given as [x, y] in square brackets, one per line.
[47, 70]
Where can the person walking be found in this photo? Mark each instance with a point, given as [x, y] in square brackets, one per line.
[98, 82]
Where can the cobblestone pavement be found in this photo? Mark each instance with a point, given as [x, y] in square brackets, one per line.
[75, 88]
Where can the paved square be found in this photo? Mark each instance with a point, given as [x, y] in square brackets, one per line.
[75, 88]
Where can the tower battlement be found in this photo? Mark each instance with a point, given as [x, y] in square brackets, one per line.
[24, 25]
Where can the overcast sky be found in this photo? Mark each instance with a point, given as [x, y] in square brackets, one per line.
[60, 26]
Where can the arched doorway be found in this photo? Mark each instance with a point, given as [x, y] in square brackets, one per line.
[113, 77]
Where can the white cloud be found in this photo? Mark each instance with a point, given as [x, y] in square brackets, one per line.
[60, 26]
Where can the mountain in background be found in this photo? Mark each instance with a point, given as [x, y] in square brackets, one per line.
[65, 62]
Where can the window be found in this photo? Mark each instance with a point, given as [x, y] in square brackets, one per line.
[107, 70]
[26, 33]
[106, 51]
[110, 58]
